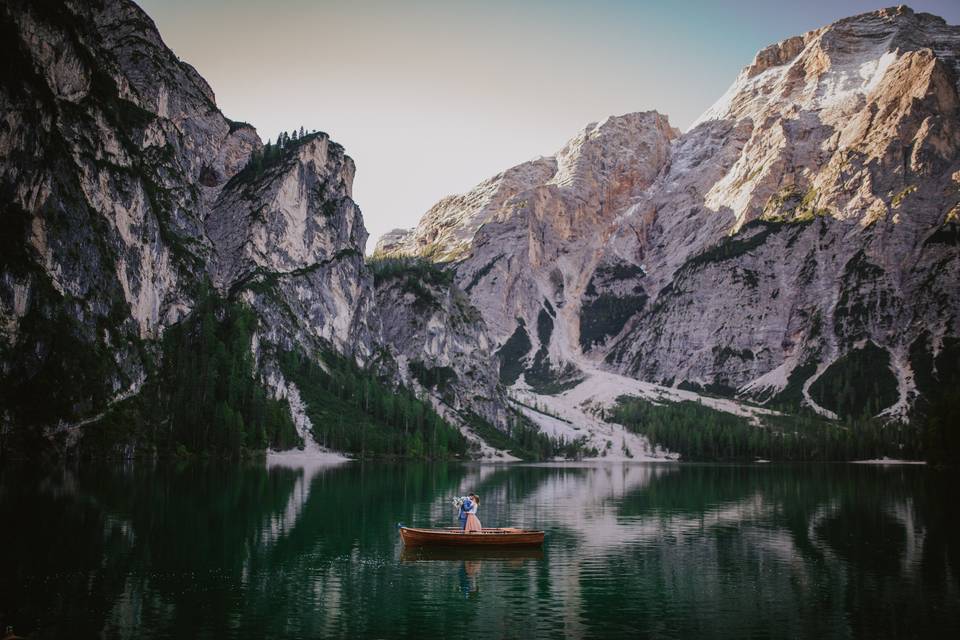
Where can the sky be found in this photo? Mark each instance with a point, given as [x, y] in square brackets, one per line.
[429, 98]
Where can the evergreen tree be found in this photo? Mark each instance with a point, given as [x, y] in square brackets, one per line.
[701, 433]
[207, 385]
[383, 421]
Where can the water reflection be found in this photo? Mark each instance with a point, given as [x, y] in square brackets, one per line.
[455, 554]
[660, 550]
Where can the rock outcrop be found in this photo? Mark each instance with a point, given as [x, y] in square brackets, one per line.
[525, 242]
[112, 152]
[439, 340]
[290, 239]
[127, 195]
[809, 215]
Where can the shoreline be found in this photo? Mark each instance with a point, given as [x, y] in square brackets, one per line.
[888, 461]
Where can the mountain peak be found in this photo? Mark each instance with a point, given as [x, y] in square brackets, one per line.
[831, 150]
[612, 145]
[604, 163]
[832, 69]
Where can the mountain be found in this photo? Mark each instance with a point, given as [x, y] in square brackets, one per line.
[165, 276]
[171, 284]
[797, 247]
[113, 153]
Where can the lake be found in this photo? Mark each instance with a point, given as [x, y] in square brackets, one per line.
[145, 550]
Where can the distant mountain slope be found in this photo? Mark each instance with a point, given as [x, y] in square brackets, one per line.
[801, 235]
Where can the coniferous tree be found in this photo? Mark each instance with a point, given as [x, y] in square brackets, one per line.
[215, 402]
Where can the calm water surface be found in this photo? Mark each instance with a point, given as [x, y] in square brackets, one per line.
[658, 551]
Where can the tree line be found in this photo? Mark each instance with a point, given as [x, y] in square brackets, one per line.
[271, 153]
[353, 410]
[698, 432]
[208, 389]
[525, 440]
[205, 397]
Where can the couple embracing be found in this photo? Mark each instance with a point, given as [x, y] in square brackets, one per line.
[468, 506]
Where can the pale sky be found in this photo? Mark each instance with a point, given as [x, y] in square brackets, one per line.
[430, 98]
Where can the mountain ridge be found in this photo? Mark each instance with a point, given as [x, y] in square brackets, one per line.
[851, 123]
[131, 205]
[804, 232]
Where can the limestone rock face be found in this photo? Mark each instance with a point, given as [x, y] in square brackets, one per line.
[126, 193]
[524, 243]
[390, 241]
[292, 240]
[441, 344]
[112, 150]
[811, 211]
[823, 215]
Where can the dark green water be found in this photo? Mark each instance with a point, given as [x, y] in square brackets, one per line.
[659, 551]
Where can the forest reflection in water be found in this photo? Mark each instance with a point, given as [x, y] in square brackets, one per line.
[641, 550]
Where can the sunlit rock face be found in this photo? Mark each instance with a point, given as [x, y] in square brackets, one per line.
[525, 242]
[811, 211]
[826, 221]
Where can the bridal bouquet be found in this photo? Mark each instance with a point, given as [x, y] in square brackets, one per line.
[458, 501]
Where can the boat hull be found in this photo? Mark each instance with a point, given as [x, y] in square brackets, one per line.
[506, 537]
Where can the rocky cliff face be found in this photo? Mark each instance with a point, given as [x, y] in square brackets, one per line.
[112, 152]
[291, 240]
[827, 223]
[439, 340]
[127, 195]
[808, 219]
[526, 241]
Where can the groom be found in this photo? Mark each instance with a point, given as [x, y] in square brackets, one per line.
[465, 505]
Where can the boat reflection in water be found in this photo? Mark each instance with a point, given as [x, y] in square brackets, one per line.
[470, 554]
[471, 561]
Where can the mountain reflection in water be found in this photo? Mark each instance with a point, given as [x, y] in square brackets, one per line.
[643, 550]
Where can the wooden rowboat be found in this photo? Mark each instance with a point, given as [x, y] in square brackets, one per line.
[505, 536]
